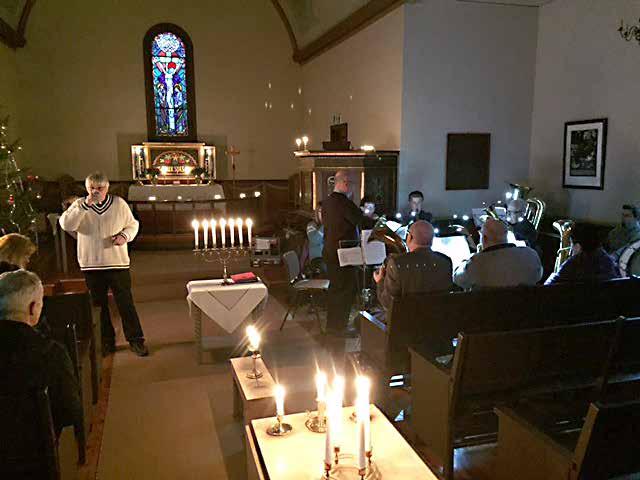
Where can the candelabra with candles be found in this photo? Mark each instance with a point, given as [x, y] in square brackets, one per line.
[228, 249]
[254, 348]
[279, 428]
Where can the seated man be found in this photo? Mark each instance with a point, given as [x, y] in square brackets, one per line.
[315, 238]
[522, 228]
[420, 270]
[627, 232]
[413, 211]
[588, 262]
[28, 360]
[498, 263]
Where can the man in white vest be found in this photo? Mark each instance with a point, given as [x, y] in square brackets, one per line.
[104, 225]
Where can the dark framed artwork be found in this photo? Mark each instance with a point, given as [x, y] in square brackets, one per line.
[585, 149]
[468, 159]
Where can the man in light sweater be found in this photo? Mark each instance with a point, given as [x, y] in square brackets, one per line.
[104, 224]
[499, 263]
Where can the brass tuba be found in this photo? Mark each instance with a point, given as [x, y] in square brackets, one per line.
[383, 233]
[535, 211]
[564, 252]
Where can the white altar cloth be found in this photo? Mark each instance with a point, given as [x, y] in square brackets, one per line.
[175, 193]
[226, 305]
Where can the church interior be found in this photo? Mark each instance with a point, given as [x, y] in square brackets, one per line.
[319, 239]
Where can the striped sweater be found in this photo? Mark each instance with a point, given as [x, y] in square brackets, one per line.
[95, 226]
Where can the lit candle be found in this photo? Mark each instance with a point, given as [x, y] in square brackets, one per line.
[321, 397]
[305, 141]
[279, 394]
[205, 228]
[254, 338]
[298, 143]
[338, 396]
[195, 226]
[328, 445]
[223, 234]
[232, 232]
[249, 225]
[239, 225]
[214, 240]
[363, 387]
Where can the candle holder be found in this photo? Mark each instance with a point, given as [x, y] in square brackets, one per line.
[316, 424]
[279, 429]
[255, 374]
[222, 255]
[348, 469]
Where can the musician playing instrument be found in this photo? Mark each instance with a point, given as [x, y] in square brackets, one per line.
[419, 270]
[626, 233]
[413, 211]
[522, 228]
[498, 263]
[588, 262]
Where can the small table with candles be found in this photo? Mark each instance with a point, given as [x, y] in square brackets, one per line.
[252, 397]
[228, 306]
[300, 454]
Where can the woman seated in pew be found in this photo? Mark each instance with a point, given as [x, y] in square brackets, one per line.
[15, 252]
[589, 262]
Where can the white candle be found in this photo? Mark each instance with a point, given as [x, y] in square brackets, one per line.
[321, 398]
[363, 387]
[298, 142]
[232, 232]
[195, 226]
[214, 240]
[362, 457]
[328, 445]
[338, 396]
[249, 225]
[239, 225]
[254, 338]
[279, 394]
[223, 234]
[205, 229]
[305, 140]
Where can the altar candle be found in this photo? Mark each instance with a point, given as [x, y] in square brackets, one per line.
[363, 387]
[205, 229]
[360, 432]
[338, 396]
[195, 224]
[239, 224]
[214, 240]
[305, 141]
[254, 338]
[321, 398]
[232, 232]
[279, 394]
[223, 234]
[249, 225]
[328, 445]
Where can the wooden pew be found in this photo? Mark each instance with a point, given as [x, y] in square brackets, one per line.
[453, 405]
[605, 447]
[432, 320]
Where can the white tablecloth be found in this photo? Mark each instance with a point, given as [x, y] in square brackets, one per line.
[186, 193]
[227, 305]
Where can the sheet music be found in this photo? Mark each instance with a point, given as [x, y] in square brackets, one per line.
[374, 252]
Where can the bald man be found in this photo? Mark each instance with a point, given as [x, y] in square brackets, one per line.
[419, 271]
[498, 263]
[341, 218]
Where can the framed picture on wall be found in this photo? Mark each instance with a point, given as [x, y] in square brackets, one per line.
[585, 148]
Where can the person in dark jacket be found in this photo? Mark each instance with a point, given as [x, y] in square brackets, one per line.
[589, 261]
[27, 359]
[341, 218]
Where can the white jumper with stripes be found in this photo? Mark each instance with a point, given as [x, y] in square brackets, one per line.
[95, 226]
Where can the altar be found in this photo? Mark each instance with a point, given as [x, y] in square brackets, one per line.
[176, 193]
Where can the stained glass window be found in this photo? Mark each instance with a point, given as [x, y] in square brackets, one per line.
[169, 76]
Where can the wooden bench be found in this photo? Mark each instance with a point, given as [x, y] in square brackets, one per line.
[432, 320]
[453, 404]
[251, 398]
[605, 447]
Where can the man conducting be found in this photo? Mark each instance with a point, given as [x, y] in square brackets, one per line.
[341, 218]
[104, 224]
[419, 271]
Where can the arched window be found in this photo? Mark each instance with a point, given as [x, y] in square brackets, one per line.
[168, 66]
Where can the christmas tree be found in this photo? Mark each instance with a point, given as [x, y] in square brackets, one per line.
[16, 212]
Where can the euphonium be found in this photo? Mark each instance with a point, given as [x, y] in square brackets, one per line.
[383, 233]
[535, 211]
[564, 252]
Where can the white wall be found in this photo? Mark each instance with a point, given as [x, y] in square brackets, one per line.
[467, 68]
[82, 86]
[360, 79]
[585, 70]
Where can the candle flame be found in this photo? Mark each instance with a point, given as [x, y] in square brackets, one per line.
[231, 222]
[223, 222]
[321, 385]
[254, 338]
[239, 221]
[205, 224]
[249, 222]
[195, 224]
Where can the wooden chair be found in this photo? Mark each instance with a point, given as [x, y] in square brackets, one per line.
[453, 405]
[301, 288]
[27, 440]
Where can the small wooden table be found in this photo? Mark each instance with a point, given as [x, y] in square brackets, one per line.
[251, 398]
[300, 455]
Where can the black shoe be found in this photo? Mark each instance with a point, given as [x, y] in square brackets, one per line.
[139, 348]
[108, 348]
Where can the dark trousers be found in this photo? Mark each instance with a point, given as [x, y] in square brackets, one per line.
[119, 281]
[342, 291]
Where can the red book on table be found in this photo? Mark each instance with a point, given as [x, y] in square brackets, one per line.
[246, 277]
